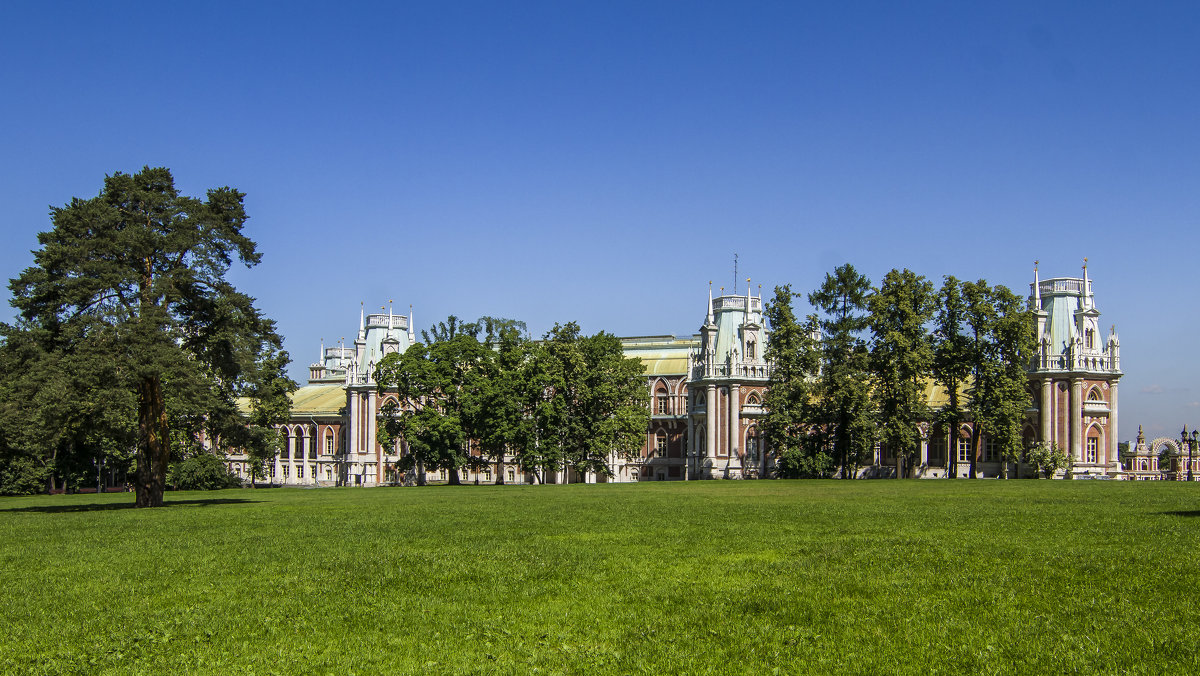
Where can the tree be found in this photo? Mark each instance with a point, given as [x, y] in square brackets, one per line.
[787, 425]
[979, 316]
[1047, 458]
[900, 358]
[586, 403]
[1004, 396]
[147, 266]
[843, 391]
[1001, 344]
[952, 362]
[64, 415]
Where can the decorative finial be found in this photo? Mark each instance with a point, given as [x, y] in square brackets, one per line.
[1035, 265]
[1085, 262]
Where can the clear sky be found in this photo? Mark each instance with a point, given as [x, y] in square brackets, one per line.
[601, 162]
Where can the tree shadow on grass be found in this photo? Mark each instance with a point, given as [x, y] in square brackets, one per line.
[108, 506]
[1183, 512]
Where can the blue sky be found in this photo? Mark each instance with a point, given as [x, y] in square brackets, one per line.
[601, 162]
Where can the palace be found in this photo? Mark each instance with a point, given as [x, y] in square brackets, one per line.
[706, 394]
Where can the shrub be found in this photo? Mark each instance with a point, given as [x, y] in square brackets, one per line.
[202, 472]
[1048, 458]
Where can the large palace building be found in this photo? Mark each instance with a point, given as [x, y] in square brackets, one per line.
[706, 394]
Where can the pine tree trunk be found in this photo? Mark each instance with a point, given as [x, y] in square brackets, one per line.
[153, 449]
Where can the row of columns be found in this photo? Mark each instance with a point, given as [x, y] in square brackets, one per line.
[1075, 423]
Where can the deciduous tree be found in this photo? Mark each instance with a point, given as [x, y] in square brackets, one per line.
[799, 446]
[900, 358]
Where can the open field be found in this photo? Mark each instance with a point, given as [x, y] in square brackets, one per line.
[719, 577]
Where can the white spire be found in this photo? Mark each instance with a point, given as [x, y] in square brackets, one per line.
[411, 337]
[747, 313]
[709, 319]
[390, 315]
[1087, 286]
[1037, 288]
[321, 359]
[362, 318]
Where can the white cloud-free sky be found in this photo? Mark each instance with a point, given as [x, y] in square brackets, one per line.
[600, 162]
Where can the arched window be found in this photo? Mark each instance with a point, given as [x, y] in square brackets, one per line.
[662, 400]
[633, 474]
[752, 445]
[752, 400]
[1094, 395]
[329, 447]
[660, 444]
[701, 442]
[750, 350]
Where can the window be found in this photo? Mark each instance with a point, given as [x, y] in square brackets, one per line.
[750, 350]
[329, 442]
[512, 475]
[937, 449]
[299, 472]
[663, 401]
[299, 446]
[633, 474]
[752, 443]
[285, 471]
[991, 451]
[442, 474]
[964, 449]
[1093, 448]
[328, 474]
[487, 475]
[660, 445]
[466, 474]
[1089, 338]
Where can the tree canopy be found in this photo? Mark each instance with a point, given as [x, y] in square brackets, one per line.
[139, 274]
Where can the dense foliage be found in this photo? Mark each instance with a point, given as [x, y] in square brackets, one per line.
[130, 336]
[866, 380]
[478, 390]
[201, 472]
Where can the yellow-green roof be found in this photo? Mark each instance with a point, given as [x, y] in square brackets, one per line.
[661, 355]
[325, 398]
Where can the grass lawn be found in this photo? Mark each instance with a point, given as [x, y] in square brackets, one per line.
[701, 577]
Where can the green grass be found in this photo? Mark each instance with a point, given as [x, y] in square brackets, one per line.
[702, 577]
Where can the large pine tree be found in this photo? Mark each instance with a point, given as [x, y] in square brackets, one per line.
[146, 266]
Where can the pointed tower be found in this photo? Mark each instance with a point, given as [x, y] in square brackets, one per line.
[727, 382]
[1075, 374]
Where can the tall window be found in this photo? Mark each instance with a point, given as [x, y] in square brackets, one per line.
[329, 442]
[750, 350]
[991, 451]
[663, 401]
[512, 475]
[660, 444]
[937, 449]
[1093, 448]
[964, 449]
